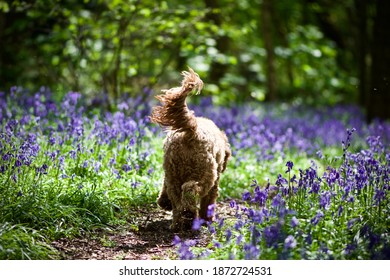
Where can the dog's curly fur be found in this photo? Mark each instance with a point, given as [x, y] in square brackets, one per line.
[196, 152]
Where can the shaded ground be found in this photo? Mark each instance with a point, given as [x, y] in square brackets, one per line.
[150, 238]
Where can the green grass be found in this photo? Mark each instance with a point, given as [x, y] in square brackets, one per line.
[72, 196]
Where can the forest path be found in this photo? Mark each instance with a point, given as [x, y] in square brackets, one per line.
[148, 237]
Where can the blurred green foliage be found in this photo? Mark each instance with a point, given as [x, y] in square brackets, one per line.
[123, 46]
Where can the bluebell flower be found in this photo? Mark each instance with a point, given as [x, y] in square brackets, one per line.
[97, 166]
[246, 196]
[257, 216]
[281, 181]
[6, 156]
[132, 141]
[340, 210]
[350, 248]
[176, 240]
[42, 169]
[309, 239]
[197, 223]
[289, 165]
[252, 251]
[271, 235]
[116, 172]
[254, 183]
[314, 221]
[72, 154]
[325, 200]
[315, 187]
[221, 222]
[52, 140]
[210, 210]
[126, 167]
[379, 195]
[123, 106]
[331, 176]
[18, 163]
[228, 234]
[294, 222]
[211, 228]
[375, 144]
[260, 196]
[61, 160]
[293, 179]
[277, 201]
[239, 239]
[184, 249]
[290, 242]
[239, 224]
[319, 154]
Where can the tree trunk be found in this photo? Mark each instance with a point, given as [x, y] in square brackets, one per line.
[378, 101]
[266, 28]
[361, 9]
[217, 69]
[2, 25]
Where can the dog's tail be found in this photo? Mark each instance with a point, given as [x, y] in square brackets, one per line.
[174, 113]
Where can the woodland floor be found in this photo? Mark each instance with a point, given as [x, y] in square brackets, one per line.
[148, 237]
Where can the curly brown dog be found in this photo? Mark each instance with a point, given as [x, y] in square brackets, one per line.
[195, 154]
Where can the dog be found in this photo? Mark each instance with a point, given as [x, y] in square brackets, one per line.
[196, 152]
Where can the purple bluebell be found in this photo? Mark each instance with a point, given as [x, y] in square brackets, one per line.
[294, 222]
[252, 252]
[239, 239]
[281, 181]
[317, 218]
[290, 242]
[289, 165]
[272, 235]
[379, 195]
[126, 167]
[260, 196]
[277, 201]
[340, 210]
[246, 196]
[210, 210]
[197, 223]
[325, 199]
[228, 234]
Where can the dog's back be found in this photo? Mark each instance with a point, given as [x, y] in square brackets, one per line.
[204, 154]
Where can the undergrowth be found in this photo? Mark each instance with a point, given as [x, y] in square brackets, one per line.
[67, 168]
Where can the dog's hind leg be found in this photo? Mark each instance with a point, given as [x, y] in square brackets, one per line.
[189, 203]
[163, 200]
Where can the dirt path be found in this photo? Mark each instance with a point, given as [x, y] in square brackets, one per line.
[150, 238]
